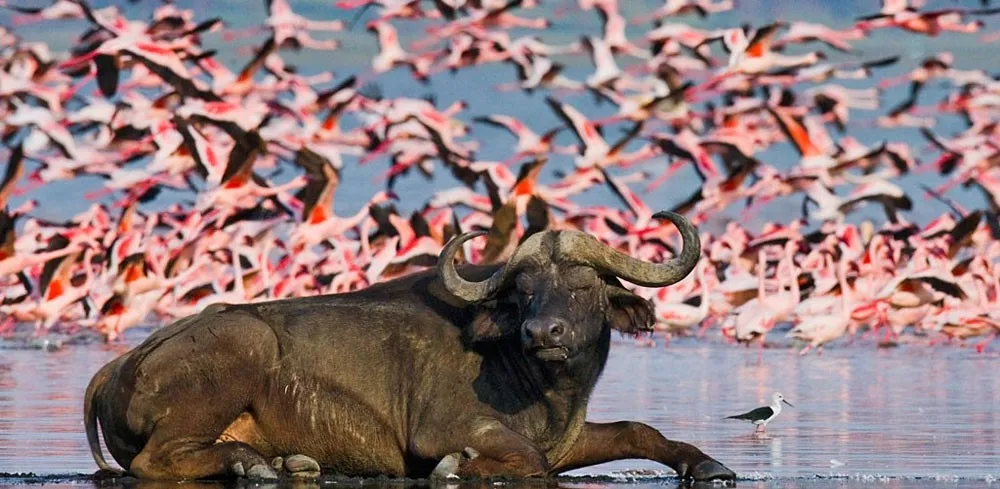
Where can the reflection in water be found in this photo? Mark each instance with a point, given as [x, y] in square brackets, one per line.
[911, 412]
[575, 483]
[567, 483]
[776, 457]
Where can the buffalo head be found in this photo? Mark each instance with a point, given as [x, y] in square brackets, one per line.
[560, 290]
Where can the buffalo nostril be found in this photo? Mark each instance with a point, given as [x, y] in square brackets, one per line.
[556, 330]
[543, 331]
[534, 329]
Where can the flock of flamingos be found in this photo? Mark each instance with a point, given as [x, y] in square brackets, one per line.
[144, 105]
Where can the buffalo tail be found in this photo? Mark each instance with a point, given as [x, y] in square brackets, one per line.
[90, 416]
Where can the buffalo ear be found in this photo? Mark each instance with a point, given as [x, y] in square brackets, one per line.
[493, 320]
[629, 313]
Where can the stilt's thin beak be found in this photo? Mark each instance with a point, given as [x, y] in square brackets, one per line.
[786, 402]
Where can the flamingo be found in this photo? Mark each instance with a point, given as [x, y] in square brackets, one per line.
[808, 31]
[680, 317]
[755, 318]
[753, 56]
[169, 118]
[681, 7]
[821, 329]
[594, 151]
[528, 142]
[391, 53]
[58, 9]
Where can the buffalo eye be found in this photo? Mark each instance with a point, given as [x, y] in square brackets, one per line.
[525, 288]
[527, 293]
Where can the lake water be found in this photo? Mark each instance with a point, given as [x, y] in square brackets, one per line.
[913, 416]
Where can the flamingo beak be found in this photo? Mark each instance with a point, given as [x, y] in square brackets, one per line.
[786, 402]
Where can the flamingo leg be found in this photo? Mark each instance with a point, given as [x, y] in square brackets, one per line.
[514, 159]
[237, 34]
[7, 325]
[888, 336]
[21, 20]
[981, 346]
[748, 213]
[665, 176]
[705, 325]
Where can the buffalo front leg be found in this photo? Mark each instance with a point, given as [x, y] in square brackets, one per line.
[187, 445]
[493, 450]
[200, 459]
[606, 442]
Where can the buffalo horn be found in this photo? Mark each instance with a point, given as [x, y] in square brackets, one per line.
[579, 247]
[478, 291]
[458, 286]
[584, 248]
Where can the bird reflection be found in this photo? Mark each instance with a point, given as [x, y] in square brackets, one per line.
[776, 455]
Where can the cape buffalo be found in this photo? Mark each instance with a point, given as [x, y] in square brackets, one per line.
[431, 375]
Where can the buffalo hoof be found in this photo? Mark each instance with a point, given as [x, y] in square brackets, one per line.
[104, 474]
[258, 471]
[710, 470]
[301, 466]
[261, 472]
[449, 466]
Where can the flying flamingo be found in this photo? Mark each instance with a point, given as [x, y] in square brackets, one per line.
[594, 151]
[807, 31]
[929, 22]
[59, 9]
[391, 53]
[681, 7]
[754, 56]
[528, 142]
[290, 29]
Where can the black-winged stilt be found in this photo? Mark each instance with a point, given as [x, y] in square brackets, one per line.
[761, 416]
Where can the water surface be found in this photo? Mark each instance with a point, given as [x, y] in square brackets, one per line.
[912, 414]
